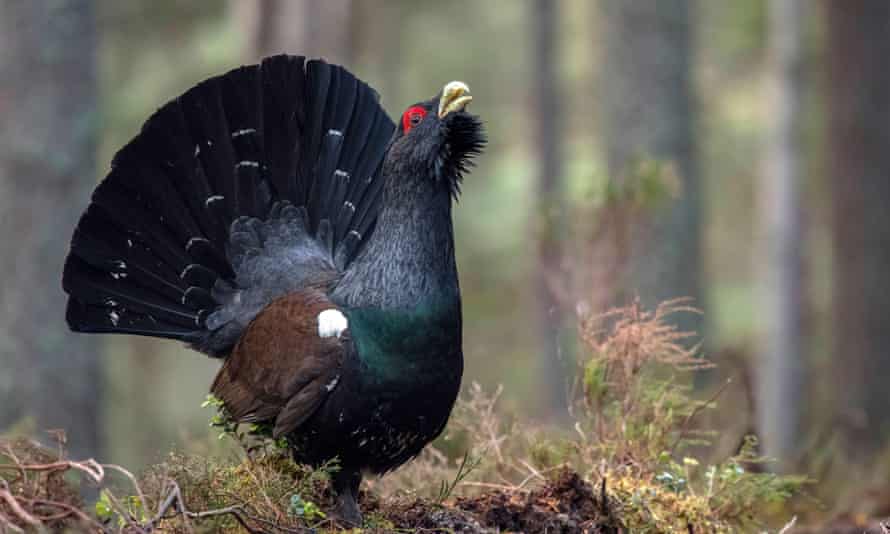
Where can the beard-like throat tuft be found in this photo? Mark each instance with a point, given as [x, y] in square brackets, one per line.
[464, 140]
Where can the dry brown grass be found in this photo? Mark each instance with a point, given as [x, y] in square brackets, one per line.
[34, 492]
[634, 420]
[623, 466]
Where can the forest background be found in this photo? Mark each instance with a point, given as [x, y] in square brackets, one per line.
[736, 153]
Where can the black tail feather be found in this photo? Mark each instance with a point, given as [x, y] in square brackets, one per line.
[100, 249]
[94, 286]
[89, 318]
[158, 251]
[284, 119]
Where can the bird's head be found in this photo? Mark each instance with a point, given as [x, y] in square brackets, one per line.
[437, 138]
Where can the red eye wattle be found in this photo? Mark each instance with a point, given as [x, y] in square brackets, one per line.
[412, 118]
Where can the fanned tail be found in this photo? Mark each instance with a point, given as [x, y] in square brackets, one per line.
[248, 186]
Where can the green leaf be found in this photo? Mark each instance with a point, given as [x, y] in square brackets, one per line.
[104, 510]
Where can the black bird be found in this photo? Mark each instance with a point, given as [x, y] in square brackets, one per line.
[274, 216]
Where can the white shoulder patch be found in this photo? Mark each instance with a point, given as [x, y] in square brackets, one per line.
[331, 322]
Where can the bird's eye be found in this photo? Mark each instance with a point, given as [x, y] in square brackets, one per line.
[412, 118]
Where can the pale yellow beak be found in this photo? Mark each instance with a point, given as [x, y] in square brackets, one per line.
[455, 97]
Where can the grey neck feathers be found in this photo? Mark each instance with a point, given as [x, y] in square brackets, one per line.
[409, 260]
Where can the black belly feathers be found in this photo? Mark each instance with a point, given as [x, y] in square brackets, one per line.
[226, 192]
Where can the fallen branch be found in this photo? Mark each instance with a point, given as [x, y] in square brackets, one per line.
[175, 502]
[16, 507]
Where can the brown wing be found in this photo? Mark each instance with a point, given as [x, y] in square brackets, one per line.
[281, 369]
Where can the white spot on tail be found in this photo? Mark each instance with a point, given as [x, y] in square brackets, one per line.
[332, 384]
[247, 163]
[331, 322]
[245, 131]
[334, 132]
[114, 316]
[193, 241]
[340, 173]
[121, 272]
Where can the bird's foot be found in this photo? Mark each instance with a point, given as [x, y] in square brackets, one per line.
[347, 510]
[346, 483]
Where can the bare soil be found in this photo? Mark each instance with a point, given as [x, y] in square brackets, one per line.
[564, 505]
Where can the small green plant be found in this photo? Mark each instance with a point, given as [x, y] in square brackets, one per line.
[220, 419]
[307, 510]
[253, 438]
[467, 465]
[107, 512]
[103, 508]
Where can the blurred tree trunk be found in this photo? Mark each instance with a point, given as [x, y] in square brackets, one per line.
[648, 114]
[47, 169]
[859, 153]
[378, 29]
[303, 27]
[550, 205]
[779, 231]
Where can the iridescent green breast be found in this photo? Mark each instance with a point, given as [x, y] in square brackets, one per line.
[404, 346]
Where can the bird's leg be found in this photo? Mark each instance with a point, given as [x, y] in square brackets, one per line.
[346, 483]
